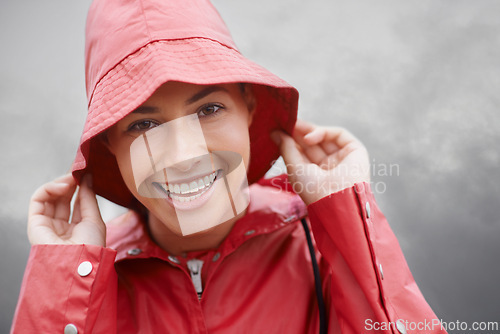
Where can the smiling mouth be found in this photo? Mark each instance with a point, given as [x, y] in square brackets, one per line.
[188, 191]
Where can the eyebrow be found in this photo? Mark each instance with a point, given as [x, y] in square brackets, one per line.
[145, 110]
[198, 96]
[204, 92]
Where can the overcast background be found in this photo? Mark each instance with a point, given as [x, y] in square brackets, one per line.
[417, 81]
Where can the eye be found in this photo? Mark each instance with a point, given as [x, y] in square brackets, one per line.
[143, 125]
[209, 110]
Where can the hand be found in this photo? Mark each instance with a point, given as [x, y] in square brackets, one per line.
[50, 209]
[322, 160]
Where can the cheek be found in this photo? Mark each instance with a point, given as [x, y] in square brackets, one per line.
[123, 160]
[120, 148]
[231, 136]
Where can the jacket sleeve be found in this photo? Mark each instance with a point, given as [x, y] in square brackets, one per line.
[67, 289]
[371, 289]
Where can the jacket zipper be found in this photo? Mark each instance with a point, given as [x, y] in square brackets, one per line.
[194, 267]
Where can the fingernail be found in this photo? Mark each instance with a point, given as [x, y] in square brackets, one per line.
[276, 137]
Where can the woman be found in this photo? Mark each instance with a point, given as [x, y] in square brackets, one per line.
[174, 113]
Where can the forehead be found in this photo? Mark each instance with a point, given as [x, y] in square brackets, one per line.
[176, 99]
[185, 93]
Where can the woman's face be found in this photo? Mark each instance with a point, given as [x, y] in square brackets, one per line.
[192, 129]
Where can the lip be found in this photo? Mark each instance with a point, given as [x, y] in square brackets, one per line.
[204, 195]
[190, 179]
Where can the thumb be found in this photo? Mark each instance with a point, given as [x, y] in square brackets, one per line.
[289, 150]
[89, 208]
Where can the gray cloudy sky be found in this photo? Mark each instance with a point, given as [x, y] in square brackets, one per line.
[417, 81]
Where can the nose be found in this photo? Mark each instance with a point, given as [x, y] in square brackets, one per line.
[179, 144]
[186, 165]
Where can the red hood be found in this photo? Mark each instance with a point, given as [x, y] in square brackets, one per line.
[133, 47]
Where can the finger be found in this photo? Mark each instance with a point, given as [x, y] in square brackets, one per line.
[62, 206]
[313, 133]
[48, 193]
[316, 136]
[315, 153]
[44, 192]
[289, 150]
[303, 127]
[331, 139]
[340, 143]
[340, 136]
[312, 139]
[88, 201]
[329, 147]
[335, 143]
[48, 209]
[353, 146]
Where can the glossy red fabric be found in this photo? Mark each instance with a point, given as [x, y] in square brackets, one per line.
[134, 46]
[258, 281]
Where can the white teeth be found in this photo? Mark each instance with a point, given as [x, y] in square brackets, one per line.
[184, 188]
[201, 185]
[193, 187]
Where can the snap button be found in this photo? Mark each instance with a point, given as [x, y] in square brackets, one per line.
[249, 232]
[174, 259]
[216, 257]
[401, 326]
[381, 271]
[134, 251]
[368, 210]
[84, 268]
[70, 329]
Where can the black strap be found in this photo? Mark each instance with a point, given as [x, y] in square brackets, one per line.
[317, 280]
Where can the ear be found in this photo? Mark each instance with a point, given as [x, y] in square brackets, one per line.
[251, 102]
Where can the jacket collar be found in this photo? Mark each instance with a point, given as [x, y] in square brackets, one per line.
[270, 209]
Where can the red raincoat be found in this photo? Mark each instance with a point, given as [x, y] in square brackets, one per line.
[258, 281]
